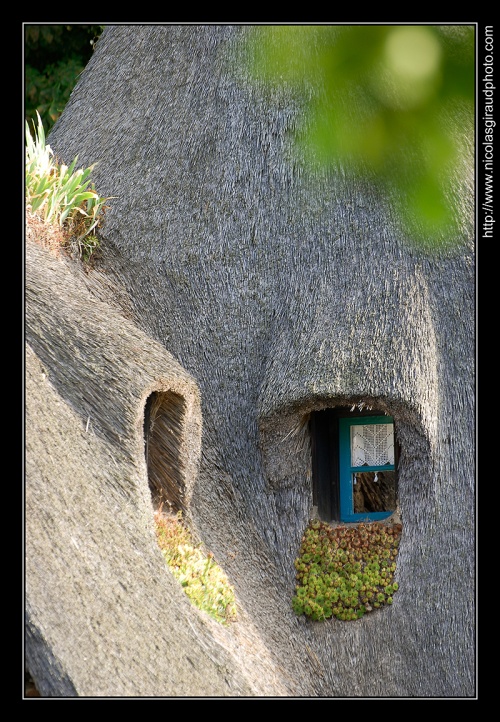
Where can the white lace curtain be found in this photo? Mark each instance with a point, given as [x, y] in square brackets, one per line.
[372, 444]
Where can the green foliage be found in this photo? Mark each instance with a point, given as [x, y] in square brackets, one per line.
[62, 194]
[54, 56]
[345, 572]
[202, 579]
[393, 108]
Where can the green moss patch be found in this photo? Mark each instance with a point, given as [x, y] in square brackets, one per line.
[345, 571]
[200, 576]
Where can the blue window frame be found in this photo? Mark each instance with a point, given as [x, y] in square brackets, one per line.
[367, 471]
[347, 486]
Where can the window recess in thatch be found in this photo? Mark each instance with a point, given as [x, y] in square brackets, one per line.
[354, 465]
[163, 429]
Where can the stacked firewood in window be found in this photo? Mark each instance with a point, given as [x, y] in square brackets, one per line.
[374, 491]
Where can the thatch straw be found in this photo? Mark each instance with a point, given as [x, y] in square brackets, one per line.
[278, 291]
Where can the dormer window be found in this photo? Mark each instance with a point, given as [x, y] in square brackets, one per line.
[354, 465]
[367, 468]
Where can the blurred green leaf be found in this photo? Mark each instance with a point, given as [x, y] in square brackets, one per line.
[391, 105]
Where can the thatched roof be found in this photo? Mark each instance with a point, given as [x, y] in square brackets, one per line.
[111, 608]
[231, 272]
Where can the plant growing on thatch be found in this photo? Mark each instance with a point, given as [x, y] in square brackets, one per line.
[345, 572]
[62, 195]
[202, 579]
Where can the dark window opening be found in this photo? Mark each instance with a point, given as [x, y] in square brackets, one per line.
[163, 423]
[354, 465]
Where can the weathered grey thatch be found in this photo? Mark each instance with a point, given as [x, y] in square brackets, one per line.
[251, 292]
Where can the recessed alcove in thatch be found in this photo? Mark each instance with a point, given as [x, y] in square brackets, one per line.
[163, 428]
